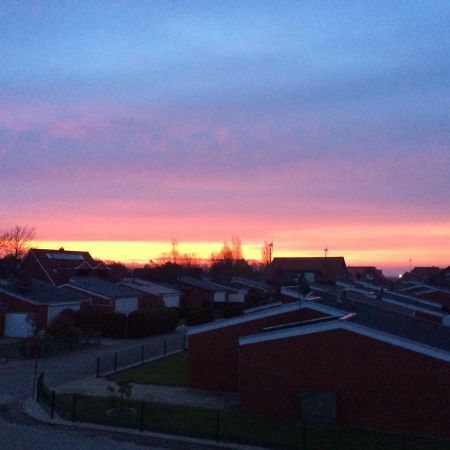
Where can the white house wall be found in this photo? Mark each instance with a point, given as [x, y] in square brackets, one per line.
[126, 305]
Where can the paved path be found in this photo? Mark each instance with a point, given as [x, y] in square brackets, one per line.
[153, 393]
[18, 432]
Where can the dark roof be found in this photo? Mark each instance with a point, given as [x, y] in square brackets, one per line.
[365, 271]
[203, 284]
[421, 273]
[43, 293]
[386, 320]
[101, 287]
[331, 268]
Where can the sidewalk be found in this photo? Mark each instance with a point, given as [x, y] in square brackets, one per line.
[34, 410]
[154, 393]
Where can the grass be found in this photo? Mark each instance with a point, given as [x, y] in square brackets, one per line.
[236, 427]
[170, 371]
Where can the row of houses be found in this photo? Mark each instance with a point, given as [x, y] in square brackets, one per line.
[50, 281]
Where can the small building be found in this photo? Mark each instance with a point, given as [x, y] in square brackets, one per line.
[372, 369]
[369, 274]
[57, 266]
[105, 295]
[284, 271]
[154, 294]
[257, 291]
[421, 274]
[42, 299]
[199, 293]
[213, 348]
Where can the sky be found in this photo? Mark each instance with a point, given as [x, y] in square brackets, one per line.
[124, 125]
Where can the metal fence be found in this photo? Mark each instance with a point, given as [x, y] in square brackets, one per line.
[135, 356]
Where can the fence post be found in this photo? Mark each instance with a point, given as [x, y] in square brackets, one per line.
[52, 405]
[218, 426]
[303, 437]
[141, 421]
[74, 407]
[115, 361]
[142, 353]
[165, 347]
[39, 381]
[97, 373]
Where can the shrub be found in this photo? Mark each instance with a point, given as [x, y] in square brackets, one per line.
[108, 323]
[199, 316]
[151, 321]
[64, 325]
[232, 311]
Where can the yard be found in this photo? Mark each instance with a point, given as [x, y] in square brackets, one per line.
[170, 371]
[232, 426]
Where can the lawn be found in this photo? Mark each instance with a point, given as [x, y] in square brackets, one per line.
[236, 427]
[170, 371]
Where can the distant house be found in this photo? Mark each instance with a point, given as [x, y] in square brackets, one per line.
[370, 369]
[213, 347]
[421, 274]
[369, 274]
[39, 298]
[57, 266]
[154, 294]
[105, 295]
[320, 269]
[441, 279]
[256, 290]
[200, 293]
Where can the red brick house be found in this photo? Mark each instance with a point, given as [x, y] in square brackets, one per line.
[105, 295]
[284, 271]
[200, 293]
[57, 266]
[213, 348]
[370, 369]
[42, 299]
[153, 294]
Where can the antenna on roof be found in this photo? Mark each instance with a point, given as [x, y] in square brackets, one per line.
[270, 251]
[325, 250]
[410, 261]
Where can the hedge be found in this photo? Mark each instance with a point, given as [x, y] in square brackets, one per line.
[233, 310]
[199, 316]
[108, 323]
[152, 321]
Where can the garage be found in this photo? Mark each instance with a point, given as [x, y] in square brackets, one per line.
[19, 324]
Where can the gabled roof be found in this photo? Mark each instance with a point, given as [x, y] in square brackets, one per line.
[350, 323]
[422, 273]
[54, 262]
[42, 293]
[102, 288]
[382, 317]
[331, 268]
[263, 313]
[203, 284]
[149, 287]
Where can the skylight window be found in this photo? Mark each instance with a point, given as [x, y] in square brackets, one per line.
[65, 256]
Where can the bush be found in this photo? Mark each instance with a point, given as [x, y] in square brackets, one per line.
[108, 323]
[232, 311]
[199, 316]
[64, 325]
[152, 321]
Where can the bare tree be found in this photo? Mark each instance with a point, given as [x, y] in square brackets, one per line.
[231, 251]
[15, 241]
[266, 252]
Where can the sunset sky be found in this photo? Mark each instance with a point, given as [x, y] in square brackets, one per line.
[308, 123]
